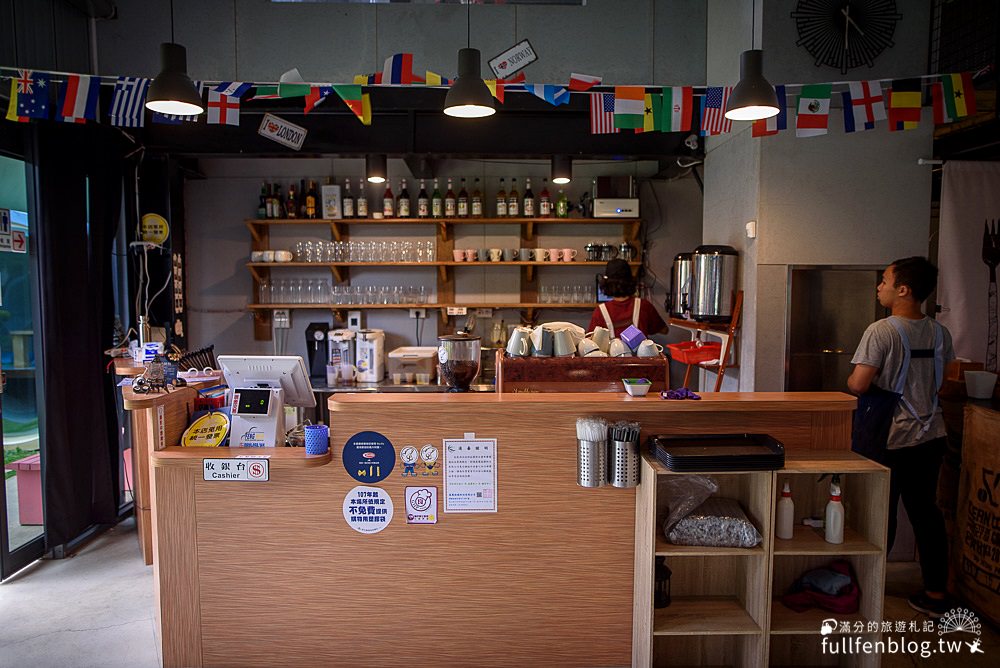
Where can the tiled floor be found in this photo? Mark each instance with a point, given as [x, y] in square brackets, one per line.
[92, 609]
[96, 609]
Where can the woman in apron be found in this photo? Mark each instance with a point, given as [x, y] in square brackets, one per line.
[624, 308]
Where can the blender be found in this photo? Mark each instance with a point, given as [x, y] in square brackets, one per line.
[458, 355]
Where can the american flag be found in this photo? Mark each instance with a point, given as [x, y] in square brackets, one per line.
[713, 111]
[602, 113]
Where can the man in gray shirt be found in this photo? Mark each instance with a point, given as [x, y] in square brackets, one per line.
[906, 353]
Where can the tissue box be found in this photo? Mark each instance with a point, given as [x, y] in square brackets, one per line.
[632, 337]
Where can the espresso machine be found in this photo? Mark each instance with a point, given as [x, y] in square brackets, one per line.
[341, 346]
[316, 348]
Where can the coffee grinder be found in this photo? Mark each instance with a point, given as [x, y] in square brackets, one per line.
[316, 348]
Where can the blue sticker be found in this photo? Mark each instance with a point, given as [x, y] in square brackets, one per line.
[369, 456]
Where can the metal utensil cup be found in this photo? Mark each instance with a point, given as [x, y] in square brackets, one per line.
[591, 463]
[623, 463]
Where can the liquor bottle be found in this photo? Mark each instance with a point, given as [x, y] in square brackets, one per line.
[463, 201]
[312, 201]
[562, 205]
[513, 199]
[278, 202]
[291, 206]
[423, 202]
[403, 201]
[388, 202]
[476, 201]
[544, 200]
[262, 205]
[529, 200]
[361, 204]
[437, 202]
[302, 198]
[347, 205]
[449, 202]
[501, 201]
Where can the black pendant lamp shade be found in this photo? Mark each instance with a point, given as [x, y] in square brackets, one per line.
[375, 168]
[469, 97]
[172, 91]
[562, 169]
[753, 98]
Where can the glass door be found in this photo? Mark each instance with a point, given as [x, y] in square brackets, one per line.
[22, 521]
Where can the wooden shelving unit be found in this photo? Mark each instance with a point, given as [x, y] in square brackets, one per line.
[444, 234]
[734, 594]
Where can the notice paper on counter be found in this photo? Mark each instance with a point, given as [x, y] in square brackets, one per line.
[470, 475]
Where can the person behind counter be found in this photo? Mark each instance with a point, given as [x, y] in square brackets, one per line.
[624, 308]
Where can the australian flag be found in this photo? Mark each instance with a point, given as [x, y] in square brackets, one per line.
[32, 94]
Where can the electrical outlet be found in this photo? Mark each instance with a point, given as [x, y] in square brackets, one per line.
[418, 313]
[282, 318]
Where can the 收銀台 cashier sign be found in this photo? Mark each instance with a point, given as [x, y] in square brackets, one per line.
[279, 130]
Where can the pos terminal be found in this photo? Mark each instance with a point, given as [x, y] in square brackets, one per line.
[261, 387]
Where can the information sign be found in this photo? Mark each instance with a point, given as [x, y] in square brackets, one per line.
[244, 470]
[470, 475]
[368, 509]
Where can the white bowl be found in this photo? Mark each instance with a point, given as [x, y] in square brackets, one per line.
[636, 387]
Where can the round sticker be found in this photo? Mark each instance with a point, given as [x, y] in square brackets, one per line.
[209, 430]
[368, 509]
[442, 355]
[155, 229]
[369, 456]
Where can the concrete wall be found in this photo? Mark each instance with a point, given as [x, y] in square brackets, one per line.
[856, 199]
[625, 41]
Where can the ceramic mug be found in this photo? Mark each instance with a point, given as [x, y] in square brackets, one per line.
[541, 339]
[539, 254]
[597, 353]
[586, 346]
[257, 256]
[554, 254]
[648, 348]
[471, 255]
[267, 256]
[602, 337]
[562, 343]
[282, 256]
[519, 344]
[484, 254]
[568, 254]
[496, 254]
[459, 255]
[617, 348]
[510, 254]
[524, 254]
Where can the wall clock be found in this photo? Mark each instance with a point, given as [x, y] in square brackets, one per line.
[845, 33]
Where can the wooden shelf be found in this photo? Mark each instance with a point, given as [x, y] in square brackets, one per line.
[810, 541]
[703, 616]
[360, 307]
[823, 461]
[517, 263]
[450, 221]
[785, 621]
[668, 549]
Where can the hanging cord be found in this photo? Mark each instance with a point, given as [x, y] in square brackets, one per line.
[172, 22]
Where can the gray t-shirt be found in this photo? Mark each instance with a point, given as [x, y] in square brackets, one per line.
[882, 347]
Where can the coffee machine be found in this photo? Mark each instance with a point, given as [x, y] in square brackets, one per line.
[341, 346]
[370, 355]
[316, 348]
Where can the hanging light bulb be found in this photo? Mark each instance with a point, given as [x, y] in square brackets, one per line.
[469, 97]
[753, 98]
[172, 91]
[562, 169]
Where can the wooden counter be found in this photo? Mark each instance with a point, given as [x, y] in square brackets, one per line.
[264, 574]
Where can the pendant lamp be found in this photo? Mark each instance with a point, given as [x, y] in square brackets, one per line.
[172, 91]
[562, 169]
[753, 98]
[375, 168]
[469, 97]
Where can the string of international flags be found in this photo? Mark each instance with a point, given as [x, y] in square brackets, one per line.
[626, 108]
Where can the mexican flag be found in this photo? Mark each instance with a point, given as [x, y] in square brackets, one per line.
[814, 110]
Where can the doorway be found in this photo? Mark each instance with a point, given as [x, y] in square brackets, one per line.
[22, 519]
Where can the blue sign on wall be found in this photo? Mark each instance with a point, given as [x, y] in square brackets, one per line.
[369, 456]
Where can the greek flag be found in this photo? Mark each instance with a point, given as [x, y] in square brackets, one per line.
[233, 88]
[128, 102]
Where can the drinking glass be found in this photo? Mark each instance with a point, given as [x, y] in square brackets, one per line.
[544, 295]
[263, 291]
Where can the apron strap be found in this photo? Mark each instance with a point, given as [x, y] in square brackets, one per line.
[607, 319]
[635, 311]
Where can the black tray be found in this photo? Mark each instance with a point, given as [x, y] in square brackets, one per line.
[718, 452]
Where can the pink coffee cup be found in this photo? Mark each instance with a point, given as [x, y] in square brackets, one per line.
[459, 255]
[554, 254]
[568, 254]
[471, 254]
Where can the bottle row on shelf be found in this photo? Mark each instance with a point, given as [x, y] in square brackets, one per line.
[330, 202]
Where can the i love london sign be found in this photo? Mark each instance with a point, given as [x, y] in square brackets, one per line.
[281, 131]
[513, 60]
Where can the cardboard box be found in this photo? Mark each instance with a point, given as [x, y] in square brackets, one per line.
[330, 194]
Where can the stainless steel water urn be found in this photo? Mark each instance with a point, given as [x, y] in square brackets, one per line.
[680, 285]
[713, 271]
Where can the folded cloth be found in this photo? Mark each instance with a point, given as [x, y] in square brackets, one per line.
[681, 393]
[804, 594]
[575, 331]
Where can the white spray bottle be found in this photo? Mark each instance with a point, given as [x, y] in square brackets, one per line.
[785, 517]
[835, 514]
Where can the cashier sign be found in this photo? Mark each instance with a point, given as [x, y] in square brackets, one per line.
[241, 470]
